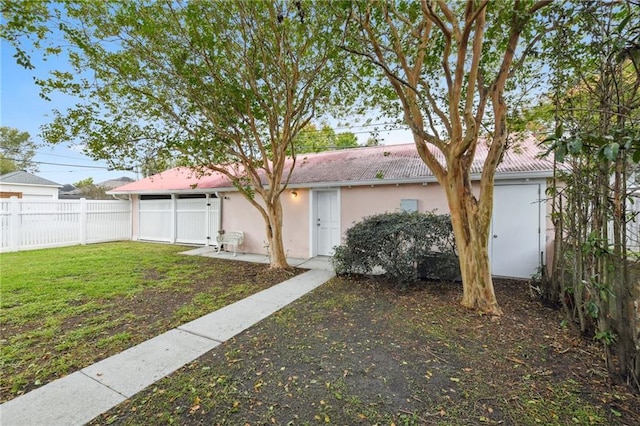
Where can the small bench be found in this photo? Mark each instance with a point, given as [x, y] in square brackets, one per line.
[230, 238]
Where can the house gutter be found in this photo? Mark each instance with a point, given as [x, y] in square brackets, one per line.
[213, 191]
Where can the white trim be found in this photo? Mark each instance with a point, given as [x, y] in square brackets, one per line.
[32, 185]
[207, 222]
[312, 227]
[172, 191]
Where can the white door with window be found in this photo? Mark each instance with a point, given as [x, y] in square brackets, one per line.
[515, 240]
[326, 222]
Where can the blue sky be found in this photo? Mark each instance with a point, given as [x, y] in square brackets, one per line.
[21, 107]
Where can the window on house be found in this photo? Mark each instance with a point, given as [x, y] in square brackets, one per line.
[409, 205]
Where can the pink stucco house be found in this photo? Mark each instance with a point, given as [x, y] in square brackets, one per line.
[329, 191]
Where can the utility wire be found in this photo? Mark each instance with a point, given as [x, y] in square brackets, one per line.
[56, 155]
[63, 165]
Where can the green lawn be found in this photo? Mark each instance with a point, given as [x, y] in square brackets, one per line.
[63, 309]
[49, 281]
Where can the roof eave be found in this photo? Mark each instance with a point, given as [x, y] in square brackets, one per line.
[538, 174]
[31, 184]
[172, 191]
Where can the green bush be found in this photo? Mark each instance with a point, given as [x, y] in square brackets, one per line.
[398, 243]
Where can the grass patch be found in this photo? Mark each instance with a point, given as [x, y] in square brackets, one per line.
[63, 309]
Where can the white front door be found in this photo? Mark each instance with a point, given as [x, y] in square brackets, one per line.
[327, 222]
[515, 230]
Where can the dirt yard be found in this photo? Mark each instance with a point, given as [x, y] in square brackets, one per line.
[357, 352]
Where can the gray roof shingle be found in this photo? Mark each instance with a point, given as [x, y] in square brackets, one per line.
[22, 177]
[402, 162]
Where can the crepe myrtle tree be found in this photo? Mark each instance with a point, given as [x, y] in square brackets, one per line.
[221, 86]
[443, 65]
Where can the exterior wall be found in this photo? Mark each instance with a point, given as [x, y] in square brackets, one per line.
[296, 213]
[239, 215]
[355, 203]
[360, 201]
[32, 191]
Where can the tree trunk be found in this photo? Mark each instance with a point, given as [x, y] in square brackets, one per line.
[471, 230]
[277, 255]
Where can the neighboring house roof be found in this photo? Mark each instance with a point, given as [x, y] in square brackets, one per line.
[21, 177]
[114, 183]
[387, 164]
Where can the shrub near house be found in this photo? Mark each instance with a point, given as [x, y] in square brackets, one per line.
[402, 244]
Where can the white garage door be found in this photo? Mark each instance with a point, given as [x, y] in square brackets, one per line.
[154, 218]
[196, 218]
[515, 243]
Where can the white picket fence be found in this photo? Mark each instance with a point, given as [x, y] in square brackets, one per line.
[32, 224]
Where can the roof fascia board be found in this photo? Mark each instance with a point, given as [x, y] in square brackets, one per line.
[173, 191]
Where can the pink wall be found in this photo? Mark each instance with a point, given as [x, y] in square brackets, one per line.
[239, 215]
[355, 203]
[358, 202]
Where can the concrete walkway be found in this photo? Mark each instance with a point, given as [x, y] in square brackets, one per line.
[79, 397]
[320, 262]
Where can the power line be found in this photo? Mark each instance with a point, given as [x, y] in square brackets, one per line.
[63, 165]
[56, 155]
[41, 172]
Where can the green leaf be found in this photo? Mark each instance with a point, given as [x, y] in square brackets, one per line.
[623, 23]
[611, 151]
[575, 145]
[559, 131]
[560, 152]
